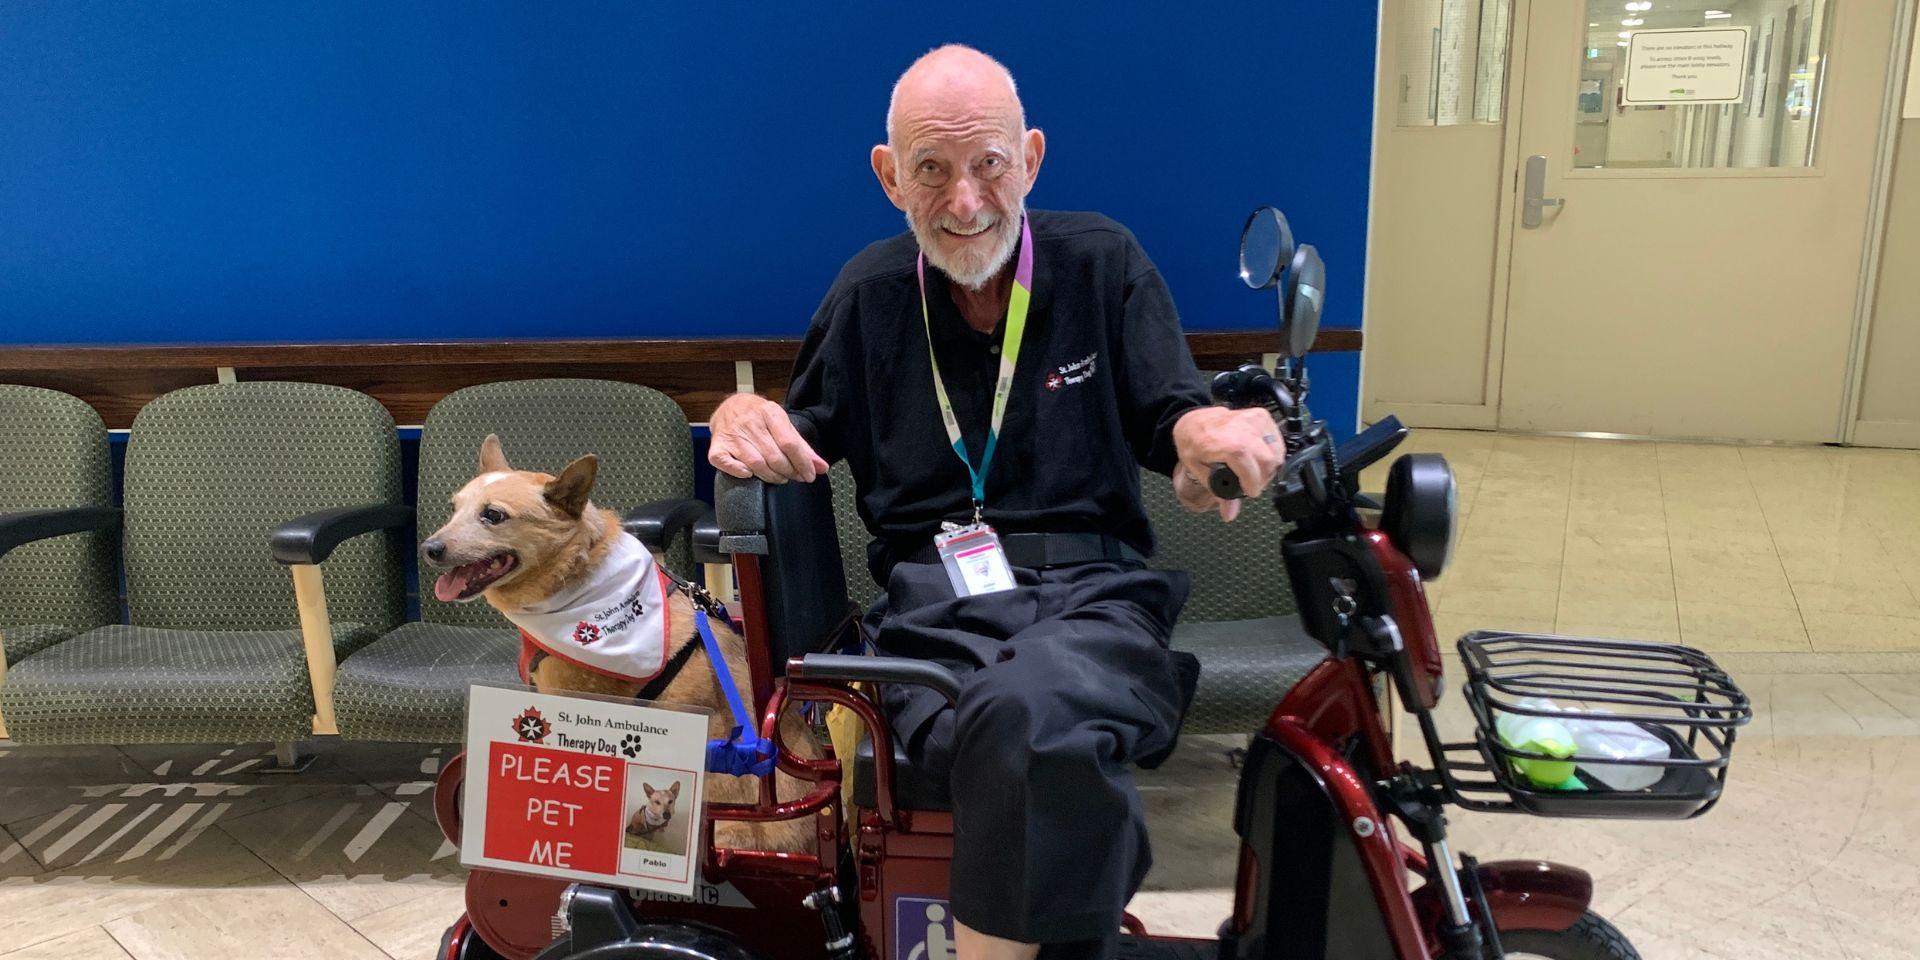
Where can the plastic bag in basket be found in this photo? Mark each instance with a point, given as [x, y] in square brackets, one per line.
[1616, 739]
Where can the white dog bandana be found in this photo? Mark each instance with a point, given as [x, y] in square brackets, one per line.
[616, 623]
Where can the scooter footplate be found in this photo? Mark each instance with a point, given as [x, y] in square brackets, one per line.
[1148, 948]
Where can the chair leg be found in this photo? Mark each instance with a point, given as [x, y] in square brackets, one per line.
[316, 630]
[288, 757]
[720, 581]
[3, 682]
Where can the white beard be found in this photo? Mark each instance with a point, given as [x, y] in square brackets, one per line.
[1008, 240]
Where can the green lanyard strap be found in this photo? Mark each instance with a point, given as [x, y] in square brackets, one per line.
[1009, 356]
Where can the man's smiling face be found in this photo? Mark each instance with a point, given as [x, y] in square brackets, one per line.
[959, 162]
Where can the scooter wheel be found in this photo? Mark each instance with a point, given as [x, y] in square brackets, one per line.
[1590, 938]
[662, 941]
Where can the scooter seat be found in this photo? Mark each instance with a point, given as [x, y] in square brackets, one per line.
[914, 787]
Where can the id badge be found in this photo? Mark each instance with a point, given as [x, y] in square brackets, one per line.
[974, 561]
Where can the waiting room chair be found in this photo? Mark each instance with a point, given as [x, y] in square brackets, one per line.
[58, 553]
[1240, 619]
[411, 684]
[213, 652]
[853, 535]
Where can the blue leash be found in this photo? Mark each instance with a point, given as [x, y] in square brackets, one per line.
[743, 752]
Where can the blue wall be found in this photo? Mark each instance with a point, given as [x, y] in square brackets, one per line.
[423, 169]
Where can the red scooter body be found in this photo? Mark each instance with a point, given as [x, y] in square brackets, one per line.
[1325, 747]
[1323, 875]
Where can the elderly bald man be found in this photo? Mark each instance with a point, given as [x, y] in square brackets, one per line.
[999, 374]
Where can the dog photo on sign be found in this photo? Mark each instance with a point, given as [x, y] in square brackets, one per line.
[653, 823]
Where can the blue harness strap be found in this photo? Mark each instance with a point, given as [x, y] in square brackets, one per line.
[743, 752]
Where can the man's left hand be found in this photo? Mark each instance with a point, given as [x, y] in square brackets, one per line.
[1247, 441]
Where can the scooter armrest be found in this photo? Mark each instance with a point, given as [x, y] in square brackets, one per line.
[840, 666]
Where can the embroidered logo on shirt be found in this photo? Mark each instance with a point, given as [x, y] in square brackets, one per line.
[585, 633]
[1078, 371]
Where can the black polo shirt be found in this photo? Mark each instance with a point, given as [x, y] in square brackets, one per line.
[1103, 374]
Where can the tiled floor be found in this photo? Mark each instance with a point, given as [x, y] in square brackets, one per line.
[1797, 567]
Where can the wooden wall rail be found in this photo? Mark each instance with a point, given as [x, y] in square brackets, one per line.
[410, 377]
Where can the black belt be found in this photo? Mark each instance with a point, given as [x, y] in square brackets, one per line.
[1040, 551]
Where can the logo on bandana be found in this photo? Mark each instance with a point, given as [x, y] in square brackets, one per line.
[1078, 371]
[585, 634]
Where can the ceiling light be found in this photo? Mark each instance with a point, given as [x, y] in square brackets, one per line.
[1621, 44]
[1717, 15]
[1632, 22]
[1624, 34]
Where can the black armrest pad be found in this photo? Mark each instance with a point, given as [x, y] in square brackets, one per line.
[706, 541]
[841, 666]
[311, 539]
[30, 525]
[657, 523]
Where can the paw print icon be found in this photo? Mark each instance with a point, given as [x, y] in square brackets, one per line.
[630, 745]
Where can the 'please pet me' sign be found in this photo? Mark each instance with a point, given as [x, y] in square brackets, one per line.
[585, 788]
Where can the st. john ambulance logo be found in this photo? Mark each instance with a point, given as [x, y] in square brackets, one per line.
[585, 634]
[531, 727]
[1068, 374]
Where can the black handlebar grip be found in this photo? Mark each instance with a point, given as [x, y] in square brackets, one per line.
[1224, 483]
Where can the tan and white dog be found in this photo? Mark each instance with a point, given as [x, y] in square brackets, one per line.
[597, 615]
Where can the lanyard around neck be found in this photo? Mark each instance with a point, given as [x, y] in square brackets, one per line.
[1016, 328]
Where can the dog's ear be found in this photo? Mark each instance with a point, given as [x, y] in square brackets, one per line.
[674, 791]
[569, 490]
[646, 788]
[492, 458]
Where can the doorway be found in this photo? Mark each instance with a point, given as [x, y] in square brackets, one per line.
[1673, 223]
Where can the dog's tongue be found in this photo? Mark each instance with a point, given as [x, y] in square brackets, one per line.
[454, 582]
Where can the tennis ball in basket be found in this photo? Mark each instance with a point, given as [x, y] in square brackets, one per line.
[1546, 773]
[1543, 735]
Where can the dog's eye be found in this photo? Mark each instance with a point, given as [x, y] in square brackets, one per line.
[491, 516]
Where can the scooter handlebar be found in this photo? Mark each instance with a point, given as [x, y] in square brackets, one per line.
[1224, 483]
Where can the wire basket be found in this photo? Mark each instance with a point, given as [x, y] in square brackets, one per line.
[1652, 725]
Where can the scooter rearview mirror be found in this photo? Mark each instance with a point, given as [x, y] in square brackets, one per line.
[1266, 246]
[1302, 300]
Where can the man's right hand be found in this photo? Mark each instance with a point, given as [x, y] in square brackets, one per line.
[752, 437]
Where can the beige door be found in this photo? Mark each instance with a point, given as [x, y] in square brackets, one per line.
[1434, 285]
[1889, 410]
[1713, 161]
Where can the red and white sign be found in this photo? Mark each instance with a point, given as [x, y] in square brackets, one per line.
[584, 788]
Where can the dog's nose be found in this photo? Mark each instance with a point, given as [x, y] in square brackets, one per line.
[434, 550]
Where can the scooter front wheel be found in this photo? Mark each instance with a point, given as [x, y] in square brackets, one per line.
[1590, 938]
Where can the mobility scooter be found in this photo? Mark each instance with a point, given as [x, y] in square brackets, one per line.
[1343, 851]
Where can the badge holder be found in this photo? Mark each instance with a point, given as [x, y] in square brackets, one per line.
[975, 563]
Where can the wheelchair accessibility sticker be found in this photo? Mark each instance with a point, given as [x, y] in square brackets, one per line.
[591, 789]
[922, 929]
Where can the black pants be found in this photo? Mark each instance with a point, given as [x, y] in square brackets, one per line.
[1067, 682]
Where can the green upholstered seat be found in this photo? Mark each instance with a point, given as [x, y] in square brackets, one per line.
[214, 653]
[53, 455]
[128, 684]
[410, 686]
[1240, 619]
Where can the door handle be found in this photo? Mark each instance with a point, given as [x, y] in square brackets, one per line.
[1532, 203]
